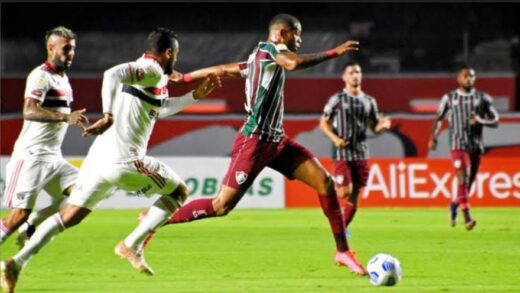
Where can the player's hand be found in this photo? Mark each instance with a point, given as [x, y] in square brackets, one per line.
[340, 143]
[207, 86]
[347, 46]
[383, 124]
[473, 119]
[176, 77]
[76, 118]
[100, 126]
[432, 143]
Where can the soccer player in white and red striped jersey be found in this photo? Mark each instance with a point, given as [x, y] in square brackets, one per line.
[134, 96]
[468, 111]
[345, 120]
[261, 142]
[36, 162]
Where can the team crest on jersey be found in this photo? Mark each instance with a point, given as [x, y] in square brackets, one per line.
[340, 179]
[153, 114]
[240, 177]
[139, 74]
[37, 93]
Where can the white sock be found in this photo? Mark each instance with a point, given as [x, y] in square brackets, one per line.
[157, 215]
[45, 232]
[4, 232]
[35, 218]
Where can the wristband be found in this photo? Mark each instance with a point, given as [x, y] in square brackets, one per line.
[187, 78]
[331, 53]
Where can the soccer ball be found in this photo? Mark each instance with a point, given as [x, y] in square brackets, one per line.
[384, 270]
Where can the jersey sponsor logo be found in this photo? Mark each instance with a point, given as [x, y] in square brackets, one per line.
[240, 177]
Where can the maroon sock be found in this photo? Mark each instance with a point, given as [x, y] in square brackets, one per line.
[462, 195]
[349, 210]
[330, 206]
[195, 210]
[467, 216]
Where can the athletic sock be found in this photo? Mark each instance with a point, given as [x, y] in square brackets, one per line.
[45, 233]
[453, 210]
[4, 232]
[462, 194]
[349, 211]
[330, 206]
[157, 215]
[194, 210]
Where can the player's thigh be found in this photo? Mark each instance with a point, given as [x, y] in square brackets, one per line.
[342, 178]
[91, 185]
[461, 163]
[148, 177]
[63, 178]
[360, 170]
[26, 179]
[249, 156]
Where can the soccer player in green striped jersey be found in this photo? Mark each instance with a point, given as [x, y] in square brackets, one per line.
[468, 111]
[261, 142]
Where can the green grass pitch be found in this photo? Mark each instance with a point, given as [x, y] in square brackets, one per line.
[283, 251]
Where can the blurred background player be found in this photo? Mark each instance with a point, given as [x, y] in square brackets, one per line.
[345, 120]
[261, 142]
[37, 162]
[468, 111]
[134, 96]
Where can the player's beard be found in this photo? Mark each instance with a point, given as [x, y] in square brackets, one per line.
[169, 68]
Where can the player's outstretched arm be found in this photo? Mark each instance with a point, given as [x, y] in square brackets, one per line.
[32, 110]
[231, 70]
[292, 61]
[177, 104]
[326, 128]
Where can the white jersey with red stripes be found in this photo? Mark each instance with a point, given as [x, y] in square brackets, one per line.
[43, 139]
[138, 102]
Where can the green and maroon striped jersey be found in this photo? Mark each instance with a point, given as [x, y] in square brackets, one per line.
[458, 107]
[264, 93]
[351, 116]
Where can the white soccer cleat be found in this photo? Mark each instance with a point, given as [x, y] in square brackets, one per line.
[8, 275]
[137, 260]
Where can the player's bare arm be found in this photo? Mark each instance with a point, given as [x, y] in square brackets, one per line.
[33, 111]
[292, 61]
[384, 123]
[231, 70]
[326, 128]
[432, 142]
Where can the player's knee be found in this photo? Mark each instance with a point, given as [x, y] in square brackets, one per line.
[181, 193]
[326, 184]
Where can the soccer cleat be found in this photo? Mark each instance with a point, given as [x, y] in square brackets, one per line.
[137, 260]
[470, 225]
[453, 212]
[8, 275]
[348, 259]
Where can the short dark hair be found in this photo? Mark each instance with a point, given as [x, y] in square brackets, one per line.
[351, 63]
[463, 67]
[161, 39]
[60, 31]
[286, 20]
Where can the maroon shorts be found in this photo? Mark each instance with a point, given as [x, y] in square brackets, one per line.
[355, 172]
[462, 160]
[250, 155]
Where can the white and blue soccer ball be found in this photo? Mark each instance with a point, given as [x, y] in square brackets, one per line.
[384, 270]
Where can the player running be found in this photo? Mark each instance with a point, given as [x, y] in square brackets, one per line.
[134, 96]
[37, 162]
[261, 142]
[467, 110]
[345, 120]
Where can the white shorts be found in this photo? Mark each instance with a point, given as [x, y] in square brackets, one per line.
[26, 178]
[97, 180]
